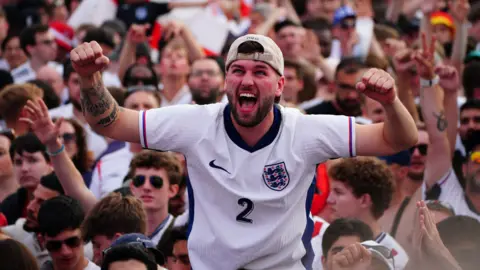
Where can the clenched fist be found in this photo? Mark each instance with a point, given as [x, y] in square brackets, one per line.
[353, 257]
[378, 85]
[88, 58]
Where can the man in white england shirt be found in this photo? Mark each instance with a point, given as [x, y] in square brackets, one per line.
[248, 159]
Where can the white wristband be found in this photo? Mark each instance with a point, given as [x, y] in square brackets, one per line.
[429, 83]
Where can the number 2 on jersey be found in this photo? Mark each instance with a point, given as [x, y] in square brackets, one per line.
[248, 204]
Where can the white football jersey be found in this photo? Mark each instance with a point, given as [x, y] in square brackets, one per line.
[248, 206]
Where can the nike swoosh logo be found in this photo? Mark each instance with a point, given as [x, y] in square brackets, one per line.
[213, 165]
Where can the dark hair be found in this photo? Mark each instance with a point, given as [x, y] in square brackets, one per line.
[118, 93]
[345, 227]
[472, 104]
[295, 65]
[129, 252]
[158, 160]
[472, 141]
[220, 62]
[470, 78]
[474, 14]
[461, 236]
[51, 182]
[249, 47]
[28, 143]
[350, 65]
[5, 79]
[27, 37]
[280, 25]
[67, 69]
[7, 39]
[366, 175]
[14, 255]
[59, 214]
[99, 35]
[177, 234]
[318, 24]
[49, 96]
[115, 214]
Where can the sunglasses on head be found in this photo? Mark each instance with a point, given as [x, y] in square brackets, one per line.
[68, 137]
[347, 24]
[55, 245]
[155, 181]
[422, 148]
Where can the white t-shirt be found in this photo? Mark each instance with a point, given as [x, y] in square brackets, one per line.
[183, 96]
[321, 226]
[247, 205]
[400, 257]
[91, 266]
[110, 171]
[453, 194]
[95, 142]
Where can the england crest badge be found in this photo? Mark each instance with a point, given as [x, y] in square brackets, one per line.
[276, 176]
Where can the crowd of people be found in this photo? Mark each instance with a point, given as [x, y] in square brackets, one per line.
[324, 134]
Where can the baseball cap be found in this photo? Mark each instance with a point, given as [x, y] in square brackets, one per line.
[343, 13]
[401, 158]
[379, 252]
[272, 54]
[140, 239]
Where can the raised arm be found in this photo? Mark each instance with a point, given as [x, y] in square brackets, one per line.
[99, 108]
[398, 132]
[67, 173]
[438, 160]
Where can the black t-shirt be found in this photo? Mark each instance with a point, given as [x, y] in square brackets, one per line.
[141, 13]
[325, 107]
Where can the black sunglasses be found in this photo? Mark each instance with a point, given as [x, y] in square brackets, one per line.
[68, 137]
[155, 181]
[71, 242]
[137, 80]
[422, 148]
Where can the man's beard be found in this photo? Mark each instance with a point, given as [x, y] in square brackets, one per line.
[469, 137]
[76, 105]
[199, 99]
[473, 183]
[415, 177]
[264, 107]
[349, 107]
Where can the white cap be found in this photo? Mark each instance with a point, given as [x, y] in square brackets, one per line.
[272, 55]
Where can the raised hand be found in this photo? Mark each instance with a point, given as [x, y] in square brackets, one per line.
[459, 10]
[378, 85]
[428, 6]
[137, 33]
[449, 79]
[173, 29]
[41, 123]
[88, 58]
[425, 59]
[393, 46]
[403, 61]
[353, 257]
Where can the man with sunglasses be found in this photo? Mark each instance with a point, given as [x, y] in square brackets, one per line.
[250, 162]
[59, 220]
[39, 45]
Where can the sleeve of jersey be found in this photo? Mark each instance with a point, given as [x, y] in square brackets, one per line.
[172, 128]
[327, 137]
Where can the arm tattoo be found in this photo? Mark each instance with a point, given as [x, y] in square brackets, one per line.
[442, 122]
[107, 121]
[96, 100]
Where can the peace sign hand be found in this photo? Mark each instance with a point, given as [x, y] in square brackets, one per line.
[425, 59]
[41, 123]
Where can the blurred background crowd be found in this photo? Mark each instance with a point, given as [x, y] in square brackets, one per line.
[104, 211]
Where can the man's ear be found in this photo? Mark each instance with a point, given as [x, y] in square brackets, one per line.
[280, 85]
[365, 201]
[172, 191]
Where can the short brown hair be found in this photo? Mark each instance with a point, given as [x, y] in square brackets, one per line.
[158, 160]
[115, 214]
[14, 97]
[295, 65]
[383, 32]
[366, 175]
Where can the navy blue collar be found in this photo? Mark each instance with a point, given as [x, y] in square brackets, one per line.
[267, 139]
[160, 227]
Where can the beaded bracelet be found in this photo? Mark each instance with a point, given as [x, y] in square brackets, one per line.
[56, 153]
